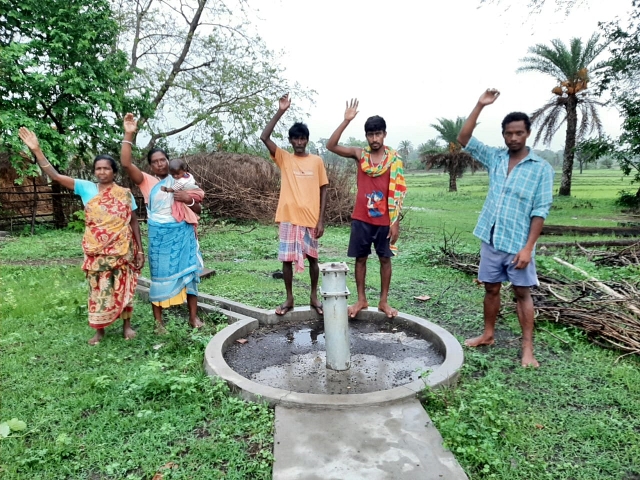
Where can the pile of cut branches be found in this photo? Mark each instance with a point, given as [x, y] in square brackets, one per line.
[609, 312]
[626, 256]
[247, 187]
[236, 185]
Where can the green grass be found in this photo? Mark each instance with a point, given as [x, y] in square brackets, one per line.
[52, 244]
[125, 409]
[429, 204]
[121, 409]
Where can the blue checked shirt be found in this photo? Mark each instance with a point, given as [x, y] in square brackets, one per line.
[514, 199]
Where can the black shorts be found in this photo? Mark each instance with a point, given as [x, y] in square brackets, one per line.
[363, 234]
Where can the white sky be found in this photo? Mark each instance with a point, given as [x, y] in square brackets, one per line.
[413, 61]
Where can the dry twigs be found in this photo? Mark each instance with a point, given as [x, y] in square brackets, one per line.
[609, 313]
[246, 187]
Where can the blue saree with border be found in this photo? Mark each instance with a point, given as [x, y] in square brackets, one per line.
[174, 254]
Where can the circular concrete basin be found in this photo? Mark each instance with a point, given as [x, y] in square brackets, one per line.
[246, 319]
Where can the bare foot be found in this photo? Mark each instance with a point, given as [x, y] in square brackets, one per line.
[528, 360]
[127, 332]
[478, 341]
[160, 330]
[354, 309]
[387, 310]
[95, 340]
[196, 323]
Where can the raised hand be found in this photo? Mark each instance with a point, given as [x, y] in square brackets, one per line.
[488, 97]
[130, 123]
[352, 109]
[29, 138]
[284, 103]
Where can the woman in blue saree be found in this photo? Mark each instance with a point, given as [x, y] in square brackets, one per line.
[175, 260]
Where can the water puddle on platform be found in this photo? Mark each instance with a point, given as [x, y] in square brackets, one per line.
[293, 357]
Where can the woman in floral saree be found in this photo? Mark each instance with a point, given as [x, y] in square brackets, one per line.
[113, 254]
[175, 261]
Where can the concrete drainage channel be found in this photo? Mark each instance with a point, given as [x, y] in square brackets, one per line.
[383, 434]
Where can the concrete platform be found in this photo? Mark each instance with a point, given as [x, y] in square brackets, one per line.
[392, 442]
[374, 436]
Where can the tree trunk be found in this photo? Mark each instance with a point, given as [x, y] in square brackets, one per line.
[34, 207]
[453, 185]
[59, 221]
[569, 145]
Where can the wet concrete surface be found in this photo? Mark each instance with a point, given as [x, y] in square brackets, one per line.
[293, 357]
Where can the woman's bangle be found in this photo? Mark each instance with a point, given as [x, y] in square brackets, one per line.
[45, 166]
[193, 202]
[127, 141]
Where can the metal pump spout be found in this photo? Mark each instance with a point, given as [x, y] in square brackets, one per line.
[336, 319]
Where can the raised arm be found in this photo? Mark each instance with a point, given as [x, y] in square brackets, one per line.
[487, 98]
[283, 106]
[130, 128]
[30, 140]
[332, 144]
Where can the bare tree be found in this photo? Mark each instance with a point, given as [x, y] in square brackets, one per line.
[202, 68]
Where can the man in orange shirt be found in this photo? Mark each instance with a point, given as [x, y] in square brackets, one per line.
[301, 206]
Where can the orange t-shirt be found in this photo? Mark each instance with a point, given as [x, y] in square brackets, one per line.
[300, 184]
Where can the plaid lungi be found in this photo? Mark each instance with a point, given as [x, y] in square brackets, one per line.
[295, 243]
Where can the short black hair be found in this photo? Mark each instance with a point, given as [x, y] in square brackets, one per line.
[375, 124]
[299, 130]
[516, 117]
[177, 164]
[109, 158]
[154, 150]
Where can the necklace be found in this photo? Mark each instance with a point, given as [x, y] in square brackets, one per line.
[375, 164]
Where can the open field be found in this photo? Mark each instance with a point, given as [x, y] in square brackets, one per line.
[591, 203]
[126, 409]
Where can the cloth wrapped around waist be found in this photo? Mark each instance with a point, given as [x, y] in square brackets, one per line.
[175, 260]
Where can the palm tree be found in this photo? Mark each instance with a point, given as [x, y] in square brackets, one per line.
[432, 146]
[451, 158]
[405, 148]
[571, 67]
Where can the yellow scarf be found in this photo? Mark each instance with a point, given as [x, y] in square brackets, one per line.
[397, 185]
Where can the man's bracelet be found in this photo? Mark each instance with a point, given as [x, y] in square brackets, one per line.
[127, 141]
[193, 202]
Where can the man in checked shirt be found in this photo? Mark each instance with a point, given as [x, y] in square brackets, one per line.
[519, 198]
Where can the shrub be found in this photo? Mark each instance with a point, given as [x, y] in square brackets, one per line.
[78, 222]
[628, 199]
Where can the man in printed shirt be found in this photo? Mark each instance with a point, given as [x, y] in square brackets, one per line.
[376, 213]
[301, 206]
[519, 198]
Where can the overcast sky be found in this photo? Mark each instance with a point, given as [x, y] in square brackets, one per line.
[413, 61]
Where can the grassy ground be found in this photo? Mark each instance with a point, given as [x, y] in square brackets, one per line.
[125, 409]
[119, 410]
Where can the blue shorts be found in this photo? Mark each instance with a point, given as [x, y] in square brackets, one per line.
[496, 267]
[363, 234]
